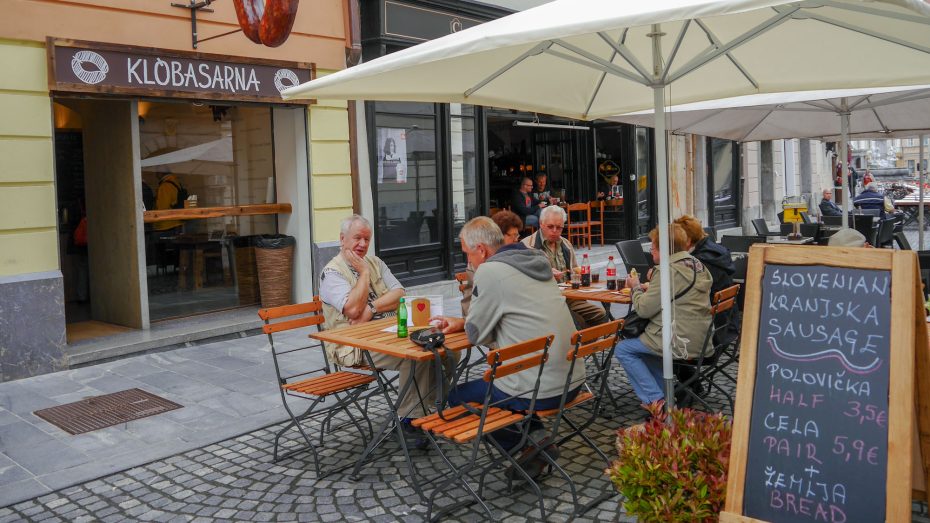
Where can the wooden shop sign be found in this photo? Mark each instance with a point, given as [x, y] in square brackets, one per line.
[91, 67]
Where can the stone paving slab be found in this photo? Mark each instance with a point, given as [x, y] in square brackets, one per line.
[227, 388]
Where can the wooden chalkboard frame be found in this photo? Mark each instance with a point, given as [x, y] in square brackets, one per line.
[908, 330]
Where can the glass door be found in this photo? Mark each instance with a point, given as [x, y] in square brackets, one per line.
[723, 179]
[641, 180]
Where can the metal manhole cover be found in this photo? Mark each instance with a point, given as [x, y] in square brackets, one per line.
[105, 411]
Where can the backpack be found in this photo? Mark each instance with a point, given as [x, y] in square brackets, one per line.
[182, 195]
[80, 233]
[148, 197]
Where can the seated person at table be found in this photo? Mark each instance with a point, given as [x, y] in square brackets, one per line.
[561, 256]
[716, 258]
[356, 288]
[610, 188]
[525, 206]
[507, 277]
[827, 206]
[510, 225]
[870, 198]
[641, 357]
[541, 192]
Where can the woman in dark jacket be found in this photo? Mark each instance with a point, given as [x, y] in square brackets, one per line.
[718, 261]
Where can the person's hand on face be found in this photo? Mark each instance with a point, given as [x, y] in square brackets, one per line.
[355, 261]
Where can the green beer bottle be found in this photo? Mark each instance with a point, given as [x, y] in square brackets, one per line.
[402, 319]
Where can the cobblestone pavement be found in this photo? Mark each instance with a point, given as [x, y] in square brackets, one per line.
[235, 480]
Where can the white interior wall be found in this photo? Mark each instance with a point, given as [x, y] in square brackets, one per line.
[292, 184]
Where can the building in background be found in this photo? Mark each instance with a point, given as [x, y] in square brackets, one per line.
[108, 122]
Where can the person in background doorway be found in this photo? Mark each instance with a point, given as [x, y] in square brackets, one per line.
[611, 188]
[169, 196]
[525, 206]
[827, 206]
[541, 192]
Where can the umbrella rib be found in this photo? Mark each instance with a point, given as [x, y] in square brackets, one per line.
[908, 97]
[675, 48]
[754, 127]
[880, 122]
[600, 81]
[873, 34]
[875, 12]
[535, 50]
[830, 107]
[624, 51]
[597, 61]
[716, 41]
[715, 53]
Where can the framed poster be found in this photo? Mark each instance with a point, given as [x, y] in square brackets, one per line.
[392, 155]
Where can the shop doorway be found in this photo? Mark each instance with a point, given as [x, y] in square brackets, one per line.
[98, 218]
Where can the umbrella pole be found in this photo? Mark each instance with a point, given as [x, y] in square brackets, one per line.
[920, 194]
[844, 154]
[665, 276]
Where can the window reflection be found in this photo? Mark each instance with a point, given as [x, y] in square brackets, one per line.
[221, 155]
[407, 181]
[464, 168]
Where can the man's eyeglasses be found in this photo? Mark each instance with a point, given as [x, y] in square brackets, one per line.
[554, 227]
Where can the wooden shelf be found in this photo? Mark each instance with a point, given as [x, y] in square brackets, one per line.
[199, 213]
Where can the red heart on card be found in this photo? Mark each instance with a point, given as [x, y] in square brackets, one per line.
[421, 307]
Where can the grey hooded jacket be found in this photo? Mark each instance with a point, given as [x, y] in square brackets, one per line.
[514, 299]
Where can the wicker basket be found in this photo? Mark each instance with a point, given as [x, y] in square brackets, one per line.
[274, 275]
[246, 272]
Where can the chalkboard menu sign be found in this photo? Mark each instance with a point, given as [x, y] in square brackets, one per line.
[818, 439]
[824, 427]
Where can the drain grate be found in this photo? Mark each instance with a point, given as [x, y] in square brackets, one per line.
[105, 411]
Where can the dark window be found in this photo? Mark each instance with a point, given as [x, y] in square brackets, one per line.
[406, 174]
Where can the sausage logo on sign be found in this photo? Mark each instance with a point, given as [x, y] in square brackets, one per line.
[266, 22]
[81, 64]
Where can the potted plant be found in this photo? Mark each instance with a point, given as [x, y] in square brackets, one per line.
[673, 468]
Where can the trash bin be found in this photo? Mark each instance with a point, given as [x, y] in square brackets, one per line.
[274, 256]
[246, 271]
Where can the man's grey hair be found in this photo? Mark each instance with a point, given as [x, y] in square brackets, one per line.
[872, 187]
[828, 191]
[552, 210]
[482, 230]
[348, 222]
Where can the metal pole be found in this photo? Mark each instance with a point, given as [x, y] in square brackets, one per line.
[665, 276]
[844, 154]
[920, 194]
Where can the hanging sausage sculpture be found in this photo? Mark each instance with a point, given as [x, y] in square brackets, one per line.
[266, 22]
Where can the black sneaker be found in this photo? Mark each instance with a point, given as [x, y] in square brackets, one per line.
[414, 437]
[532, 461]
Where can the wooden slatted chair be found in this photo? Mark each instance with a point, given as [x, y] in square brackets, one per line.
[597, 220]
[315, 385]
[474, 424]
[580, 226]
[706, 367]
[596, 344]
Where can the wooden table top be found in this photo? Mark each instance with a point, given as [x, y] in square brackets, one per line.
[370, 336]
[602, 294]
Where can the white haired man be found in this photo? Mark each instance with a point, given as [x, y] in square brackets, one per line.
[506, 278]
[561, 255]
[355, 288]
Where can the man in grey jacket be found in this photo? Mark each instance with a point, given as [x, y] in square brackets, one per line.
[506, 278]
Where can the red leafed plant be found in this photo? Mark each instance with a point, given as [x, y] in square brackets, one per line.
[674, 470]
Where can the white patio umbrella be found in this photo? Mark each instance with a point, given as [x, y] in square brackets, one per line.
[833, 115]
[590, 59]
